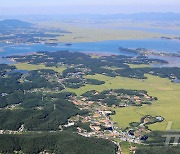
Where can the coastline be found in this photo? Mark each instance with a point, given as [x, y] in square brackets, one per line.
[100, 53]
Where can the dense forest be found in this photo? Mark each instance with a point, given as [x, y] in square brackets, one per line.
[37, 110]
[59, 142]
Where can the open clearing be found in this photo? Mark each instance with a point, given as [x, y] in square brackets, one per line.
[167, 106]
[30, 67]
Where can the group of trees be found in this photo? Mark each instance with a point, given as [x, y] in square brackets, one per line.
[80, 81]
[164, 72]
[34, 79]
[4, 68]
[10, 83]
[118, 96]
[94, 81]
[158, 150]
[39, 79]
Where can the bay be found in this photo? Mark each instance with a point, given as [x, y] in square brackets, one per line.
[106, 47]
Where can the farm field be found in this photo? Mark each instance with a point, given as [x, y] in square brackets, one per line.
[125, 147]
[139, 66]
[29, 67]
[166, 106]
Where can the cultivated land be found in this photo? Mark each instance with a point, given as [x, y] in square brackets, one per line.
[139, 66]
[166, 106]
[125, 147]
[81, 33]
[29, 67]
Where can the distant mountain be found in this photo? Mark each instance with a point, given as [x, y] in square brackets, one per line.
[13, 23]
[151, 16]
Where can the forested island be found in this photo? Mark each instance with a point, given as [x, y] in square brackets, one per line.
[147, 52]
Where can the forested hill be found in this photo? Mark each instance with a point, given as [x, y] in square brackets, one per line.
[34, 111]
[14, 23]
[58, 143]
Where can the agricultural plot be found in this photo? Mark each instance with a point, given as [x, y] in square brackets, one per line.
[166, 106]
[29, 67]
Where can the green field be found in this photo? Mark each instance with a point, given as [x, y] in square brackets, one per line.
[30, 67]
[139, 66]
[125, 147]
[167, 106]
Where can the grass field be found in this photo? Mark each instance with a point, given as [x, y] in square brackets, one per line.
[167, 106]
[139, 66]
[125, 147]
[29, 67]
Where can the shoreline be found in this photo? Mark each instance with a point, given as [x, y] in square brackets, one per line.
[100, 53]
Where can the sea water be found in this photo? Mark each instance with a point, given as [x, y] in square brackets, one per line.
[112, 47]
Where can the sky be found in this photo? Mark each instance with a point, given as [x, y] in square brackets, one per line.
[8, 7]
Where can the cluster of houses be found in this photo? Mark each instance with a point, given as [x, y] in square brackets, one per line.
[100, 122]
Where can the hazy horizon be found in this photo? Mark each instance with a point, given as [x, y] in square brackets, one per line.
[59, 7]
